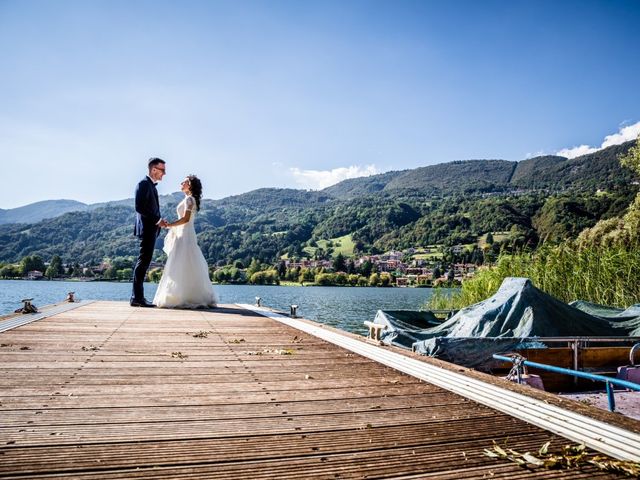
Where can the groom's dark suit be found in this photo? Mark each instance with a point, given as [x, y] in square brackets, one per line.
[146, 229]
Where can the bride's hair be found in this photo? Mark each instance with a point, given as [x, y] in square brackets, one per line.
[195, 185]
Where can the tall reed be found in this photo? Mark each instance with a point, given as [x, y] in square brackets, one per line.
[605, 275]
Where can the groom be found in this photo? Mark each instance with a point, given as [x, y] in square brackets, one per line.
[147, 227]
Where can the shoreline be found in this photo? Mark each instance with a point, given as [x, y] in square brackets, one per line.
[282, 284]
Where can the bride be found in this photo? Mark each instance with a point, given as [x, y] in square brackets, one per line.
[185, 281]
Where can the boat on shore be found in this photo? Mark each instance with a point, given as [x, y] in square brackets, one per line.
[524, 322]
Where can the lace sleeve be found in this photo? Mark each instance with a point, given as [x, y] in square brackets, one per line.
[191, 204]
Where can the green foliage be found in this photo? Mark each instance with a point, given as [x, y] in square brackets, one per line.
[386, 280]
[325, 279]
[254, 267]
[55, 268]
[321, 248]
[85, 237]
[529, 172]
[366, 268]
[265, 277]
[489, 238]
[362, 186]
[120, 263]
[10, 271]
[622, 231]
[366, 218]
[598, 170]
[154, 275]
[31, 262]
[338, 278]
[631, 158]
[110, 273]
[462, 176]
[339, 264]
[604, 275]
[561, 218]
[229, 274]
[124, 274]
[306, 275]
[76, 270]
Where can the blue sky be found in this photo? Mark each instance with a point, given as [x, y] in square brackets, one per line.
[251, 94]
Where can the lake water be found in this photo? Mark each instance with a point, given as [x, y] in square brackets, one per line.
[342, 307]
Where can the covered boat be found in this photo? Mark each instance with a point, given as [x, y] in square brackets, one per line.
[518, 316]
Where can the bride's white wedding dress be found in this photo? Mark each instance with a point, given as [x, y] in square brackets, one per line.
[185, 281]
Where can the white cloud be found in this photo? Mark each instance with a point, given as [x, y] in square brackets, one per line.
[319, 179]
[576, 151]
[625, 134]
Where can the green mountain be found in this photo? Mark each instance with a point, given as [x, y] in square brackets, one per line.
[481, 175]
[527, 172]
[545, 198]
[357, 187]
[598, 170]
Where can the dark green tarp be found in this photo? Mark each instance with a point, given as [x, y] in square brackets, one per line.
[516, 312]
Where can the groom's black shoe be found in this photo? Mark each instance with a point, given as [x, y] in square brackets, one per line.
[141, 303]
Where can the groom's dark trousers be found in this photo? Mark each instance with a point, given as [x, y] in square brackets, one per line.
[146, 229]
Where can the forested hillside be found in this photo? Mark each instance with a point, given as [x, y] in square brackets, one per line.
[543, 199]
[469, 175]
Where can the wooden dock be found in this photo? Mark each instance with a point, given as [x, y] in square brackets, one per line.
[109, 391]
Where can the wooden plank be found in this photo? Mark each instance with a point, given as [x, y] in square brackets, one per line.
[107, 391]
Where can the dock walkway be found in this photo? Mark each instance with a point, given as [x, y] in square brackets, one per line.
[114, 392]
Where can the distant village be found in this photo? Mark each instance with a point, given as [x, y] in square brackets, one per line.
[404, 274]
[394, 268]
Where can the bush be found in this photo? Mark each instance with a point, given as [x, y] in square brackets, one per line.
[325, 279]
[154, 275]
[10, 271]
[265, 277]
[125, 274]
[603, 275]
[385, 279]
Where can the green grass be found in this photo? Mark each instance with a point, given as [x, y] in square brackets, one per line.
[603, 275]
[497, 237]
[344, 245]
[434, 253]
[428, 256]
